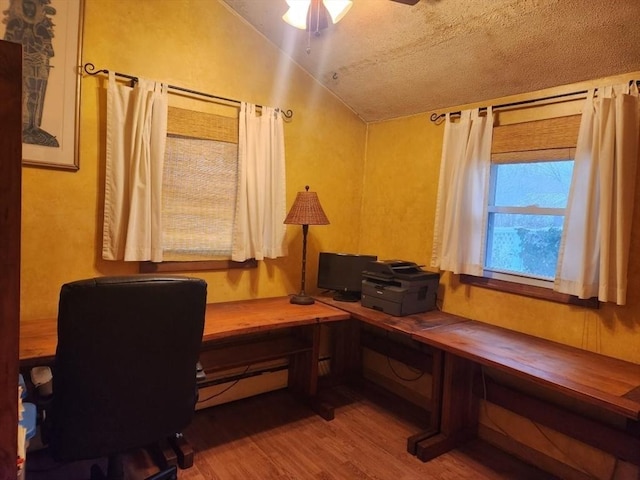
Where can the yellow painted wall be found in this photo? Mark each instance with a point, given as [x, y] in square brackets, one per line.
[202, 45]
[398, 210]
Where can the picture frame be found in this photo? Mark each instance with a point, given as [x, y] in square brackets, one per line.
[50, 32]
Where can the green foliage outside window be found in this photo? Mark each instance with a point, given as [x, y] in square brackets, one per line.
[539, 250]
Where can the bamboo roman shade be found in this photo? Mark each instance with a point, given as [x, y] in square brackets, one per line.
[540, 140]
[208, 126]
[199, 185]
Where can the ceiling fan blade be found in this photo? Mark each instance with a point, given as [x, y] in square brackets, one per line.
[407, 2]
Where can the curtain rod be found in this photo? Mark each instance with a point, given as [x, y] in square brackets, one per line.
[90, 69]
[438, 118]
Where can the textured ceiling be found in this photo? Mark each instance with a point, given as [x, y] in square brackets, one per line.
[386, 59]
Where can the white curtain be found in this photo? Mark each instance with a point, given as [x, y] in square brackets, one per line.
[258, 230]
[594, 250]
[461, 208]
[136, 136]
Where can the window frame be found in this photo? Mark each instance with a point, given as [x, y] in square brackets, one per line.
[543, 293]
[196, 266]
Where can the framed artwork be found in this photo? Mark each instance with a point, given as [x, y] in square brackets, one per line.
[50, 32]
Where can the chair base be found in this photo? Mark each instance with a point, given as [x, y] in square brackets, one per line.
[115, 471]
[170, 473]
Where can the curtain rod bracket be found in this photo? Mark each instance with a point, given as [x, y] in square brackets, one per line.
[90, 69]
[437, 119]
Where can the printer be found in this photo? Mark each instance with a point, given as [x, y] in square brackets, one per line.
[398, 287]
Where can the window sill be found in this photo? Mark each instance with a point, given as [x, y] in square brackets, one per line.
[151, 267]
[528, 291]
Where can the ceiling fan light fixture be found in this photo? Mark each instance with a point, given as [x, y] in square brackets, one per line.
[299, 12]
[337, 8]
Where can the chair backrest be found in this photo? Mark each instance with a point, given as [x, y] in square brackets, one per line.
[124, 374]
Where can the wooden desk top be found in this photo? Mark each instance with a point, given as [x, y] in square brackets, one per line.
[39, 338]
[243, 317]
[409, 324]
[595, 378]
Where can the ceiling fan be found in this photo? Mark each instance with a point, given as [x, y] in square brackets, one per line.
[313, 15]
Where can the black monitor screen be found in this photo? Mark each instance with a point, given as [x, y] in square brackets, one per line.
[342, 273]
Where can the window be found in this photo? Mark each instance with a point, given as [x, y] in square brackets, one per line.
[525, 218]
[532, 165]
[531, 168]
[199, 192]
[214, 204]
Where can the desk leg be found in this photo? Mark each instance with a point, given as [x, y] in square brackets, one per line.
[346, 354]
[303, 372]
[435, 403]
[459, 409]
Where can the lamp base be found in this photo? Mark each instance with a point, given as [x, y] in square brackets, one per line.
[302, 299]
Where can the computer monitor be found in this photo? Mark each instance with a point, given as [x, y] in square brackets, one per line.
[342, 273]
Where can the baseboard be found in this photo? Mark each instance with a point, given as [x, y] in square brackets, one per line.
[241, 388]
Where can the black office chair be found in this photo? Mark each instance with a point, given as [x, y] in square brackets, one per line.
[124, 374]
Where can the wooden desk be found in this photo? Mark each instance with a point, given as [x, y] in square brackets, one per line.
[247, 332]
[232, 338]
[465, 345]
[605, 383]
[429, 359]
[237, 333]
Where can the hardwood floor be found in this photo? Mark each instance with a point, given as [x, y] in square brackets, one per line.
[274, 436]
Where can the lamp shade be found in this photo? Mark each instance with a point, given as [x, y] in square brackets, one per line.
[306, 210]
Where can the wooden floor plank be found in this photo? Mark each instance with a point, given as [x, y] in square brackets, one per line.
[275, 437]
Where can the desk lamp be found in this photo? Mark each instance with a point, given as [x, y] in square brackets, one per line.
[306, 210]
